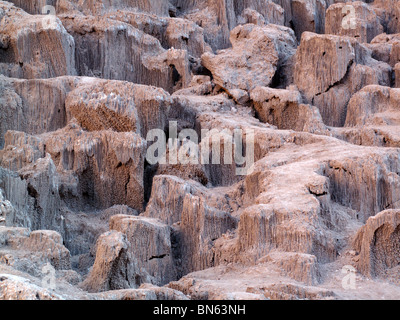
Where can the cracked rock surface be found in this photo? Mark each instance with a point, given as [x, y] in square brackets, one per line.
[87, 93]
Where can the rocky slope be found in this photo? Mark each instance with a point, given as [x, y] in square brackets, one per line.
[85, 213]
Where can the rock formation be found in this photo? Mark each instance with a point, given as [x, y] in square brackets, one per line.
[174, 149]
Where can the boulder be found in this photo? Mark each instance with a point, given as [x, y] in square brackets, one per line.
[377, 243]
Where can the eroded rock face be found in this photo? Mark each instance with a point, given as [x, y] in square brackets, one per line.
[125, 161]
[283, 108]
[144, 292]
[94, 103]
[168, 193]
[158, 7]
[308, 15]
[397, 75]
[48, 243]
[17, 288]
[218, 18]
[101, 42]
[337, 68]
[209, 224]
[171, 32]
[302, 267]
[389, 13]
[312, 188]
[154, 239]
[70, 162]
[274, 15]
[6, 209]
[372, 117]
[256, 55]
[34, 252]
[363, 25]
[378, 193]
[378, 244]
[119, 106]
[113, 268]
[22, 54]
[31, 185]
[373, 105]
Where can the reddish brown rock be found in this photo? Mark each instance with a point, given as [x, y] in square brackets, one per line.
[114, 268]
[374, 105]
[31, 49]
[283, 108]
[389, 13]
[121, 106]
[150, 245]
[316, 196]
[101, 168]
[115, 50]
[387, 48]
[378, 244]
[330, 69]
[21, 100]
[397, 75]
[256, 55]
[307, 15]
